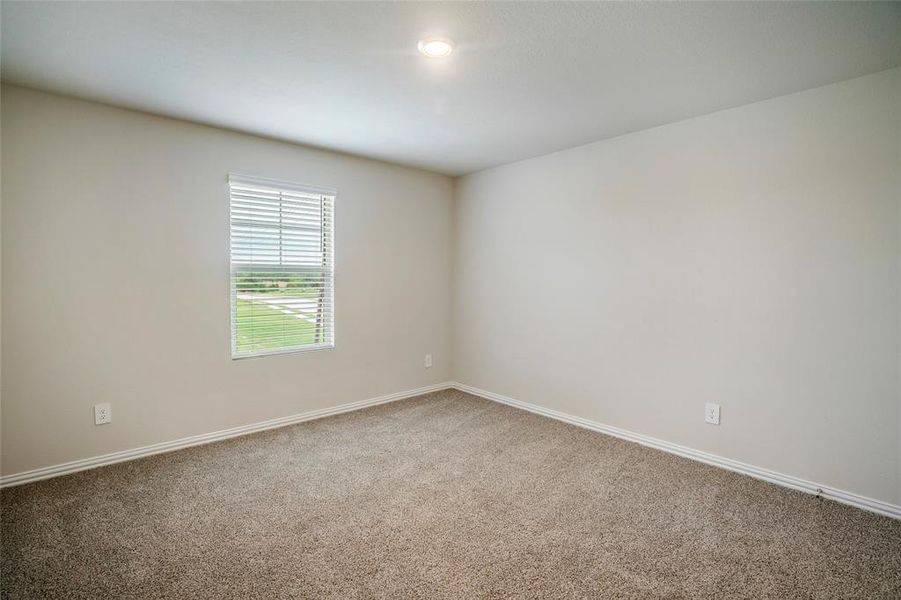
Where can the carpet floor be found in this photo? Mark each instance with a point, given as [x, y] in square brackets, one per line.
[441, 496]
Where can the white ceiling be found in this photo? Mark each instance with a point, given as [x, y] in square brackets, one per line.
[526, 79]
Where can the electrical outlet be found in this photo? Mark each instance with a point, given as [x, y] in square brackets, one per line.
[103, 413]
[428, 361]
[712, 413]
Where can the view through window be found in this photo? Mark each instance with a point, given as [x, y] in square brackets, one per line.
[282, 267]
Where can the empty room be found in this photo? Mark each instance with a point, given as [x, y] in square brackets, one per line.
[450, 300]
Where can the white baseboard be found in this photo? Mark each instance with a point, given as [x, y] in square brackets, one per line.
[852, 499]
[856, 500]
[206, 438]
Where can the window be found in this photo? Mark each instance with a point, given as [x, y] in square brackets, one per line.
[282, 267]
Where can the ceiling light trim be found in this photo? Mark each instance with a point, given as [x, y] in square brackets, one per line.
[436, 46]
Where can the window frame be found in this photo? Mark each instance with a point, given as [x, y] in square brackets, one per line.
[286, 186]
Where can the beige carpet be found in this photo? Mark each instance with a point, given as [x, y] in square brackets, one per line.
[441, 496]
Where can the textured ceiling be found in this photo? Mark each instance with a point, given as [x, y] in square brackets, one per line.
[526, 79]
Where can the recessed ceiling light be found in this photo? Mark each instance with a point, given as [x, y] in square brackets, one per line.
[436, 47]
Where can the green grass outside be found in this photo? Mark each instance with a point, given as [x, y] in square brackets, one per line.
[250, 335]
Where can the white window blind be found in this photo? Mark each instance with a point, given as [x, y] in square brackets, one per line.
[282, 267]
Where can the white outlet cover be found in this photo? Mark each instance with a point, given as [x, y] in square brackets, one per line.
[712, 413]
[103, 413]
[428, 361]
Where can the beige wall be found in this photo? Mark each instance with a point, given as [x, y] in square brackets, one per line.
[115, 281]
[749, 257]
